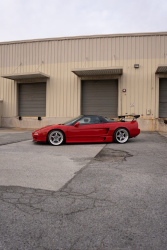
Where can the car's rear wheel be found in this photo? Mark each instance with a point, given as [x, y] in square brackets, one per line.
[121, 135]
[56, 137]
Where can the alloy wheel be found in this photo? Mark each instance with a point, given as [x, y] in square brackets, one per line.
[122, 135]
[56, 137]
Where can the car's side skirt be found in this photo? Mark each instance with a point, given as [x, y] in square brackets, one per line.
[85, 139]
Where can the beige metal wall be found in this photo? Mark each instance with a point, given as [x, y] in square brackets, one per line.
[1, 103]
[56, 57]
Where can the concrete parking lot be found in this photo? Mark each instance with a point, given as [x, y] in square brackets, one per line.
[84, 196]
[39, 165]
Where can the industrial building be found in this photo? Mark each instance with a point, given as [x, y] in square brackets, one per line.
[47, 81]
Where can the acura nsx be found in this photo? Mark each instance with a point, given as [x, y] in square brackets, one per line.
[88, 128]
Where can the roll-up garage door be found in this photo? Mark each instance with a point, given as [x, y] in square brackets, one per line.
[163, 98]
[32, 99]
[100, 98]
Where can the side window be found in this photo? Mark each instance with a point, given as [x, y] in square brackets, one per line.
[102, 119]
[84, 121]
[87, 120]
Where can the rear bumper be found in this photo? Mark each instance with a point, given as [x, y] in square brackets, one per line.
[135, 132]
[138, 132]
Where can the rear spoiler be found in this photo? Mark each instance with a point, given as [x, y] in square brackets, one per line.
[122, 117]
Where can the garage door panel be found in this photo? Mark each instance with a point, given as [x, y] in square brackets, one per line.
[30, 108]
[32, 99]
[163, 109]
[163, 98]
[29, 115]
[100, 97]
[107, 102]
[32, 105]
[106, 106]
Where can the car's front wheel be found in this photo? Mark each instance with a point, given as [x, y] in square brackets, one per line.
[56, 137]
[121, 135]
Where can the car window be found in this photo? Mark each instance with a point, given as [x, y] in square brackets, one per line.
[72, 121]
[109, 120]
[87, 120]
[102, 119]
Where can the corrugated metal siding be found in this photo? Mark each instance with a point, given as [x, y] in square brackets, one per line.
[32, 99]
[58, 57]
[163, 98]
[100, 98]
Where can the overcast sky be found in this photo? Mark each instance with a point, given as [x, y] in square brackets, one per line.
[30, 19]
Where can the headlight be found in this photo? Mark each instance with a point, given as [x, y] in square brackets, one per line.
[35, 133]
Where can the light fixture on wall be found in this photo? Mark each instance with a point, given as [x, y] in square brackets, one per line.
[39, 118]
[20, 118]
[136, 66]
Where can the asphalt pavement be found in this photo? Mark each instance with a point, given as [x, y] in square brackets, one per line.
[116, 199]
[14, 135]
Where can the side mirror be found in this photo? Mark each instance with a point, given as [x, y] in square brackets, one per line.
[76, 124]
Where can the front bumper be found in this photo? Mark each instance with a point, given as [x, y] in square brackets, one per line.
[39, 137]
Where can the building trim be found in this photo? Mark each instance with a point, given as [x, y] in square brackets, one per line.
[25, 75]
[98, 71]
[162, 69]
[86, 37]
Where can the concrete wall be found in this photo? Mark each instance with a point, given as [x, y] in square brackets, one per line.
[57, 57]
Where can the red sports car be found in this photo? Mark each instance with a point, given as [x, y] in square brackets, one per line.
[88, 128]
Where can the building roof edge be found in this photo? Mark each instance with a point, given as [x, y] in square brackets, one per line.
[85, 37]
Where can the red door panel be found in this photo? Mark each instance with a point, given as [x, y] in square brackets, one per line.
[86, 133]
[110, 128]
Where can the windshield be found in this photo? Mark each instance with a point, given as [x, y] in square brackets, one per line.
[71, 122]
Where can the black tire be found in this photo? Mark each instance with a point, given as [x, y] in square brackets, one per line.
[56, 137]
[121, 135]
